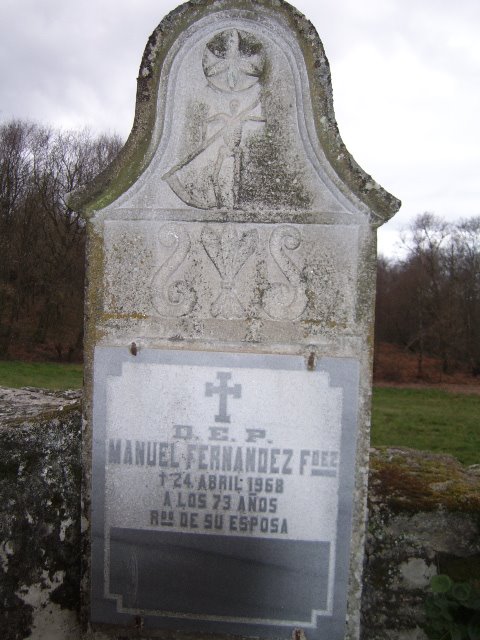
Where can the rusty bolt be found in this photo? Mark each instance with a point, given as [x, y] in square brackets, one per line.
[311, 362]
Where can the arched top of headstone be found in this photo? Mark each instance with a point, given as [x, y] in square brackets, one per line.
[234, 119]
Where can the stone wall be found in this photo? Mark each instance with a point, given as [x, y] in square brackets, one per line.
[424, 518]
[40, 475]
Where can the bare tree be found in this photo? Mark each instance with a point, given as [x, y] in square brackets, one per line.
[42, 266]
[429, 301]
[466, 242]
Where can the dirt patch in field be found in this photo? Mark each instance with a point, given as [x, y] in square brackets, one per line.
[397, 367]
[467, 389]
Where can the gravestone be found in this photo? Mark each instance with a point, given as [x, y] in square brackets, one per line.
[231, 276]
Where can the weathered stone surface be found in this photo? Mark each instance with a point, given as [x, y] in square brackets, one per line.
[40, 544]
[424, 519]
[260, 69]
[28, 402]
[234, 221]
[288, 283]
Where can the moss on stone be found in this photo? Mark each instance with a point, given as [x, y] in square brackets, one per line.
[412, 481]
[43, 415]
[273, 176]
[40, 475]
[423, 509]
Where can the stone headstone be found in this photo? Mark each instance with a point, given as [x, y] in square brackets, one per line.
[231, 271]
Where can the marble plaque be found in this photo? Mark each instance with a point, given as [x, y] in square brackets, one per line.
[222, 490]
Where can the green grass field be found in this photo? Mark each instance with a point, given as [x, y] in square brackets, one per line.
[424, 419]
[429, 420]
[44, 375]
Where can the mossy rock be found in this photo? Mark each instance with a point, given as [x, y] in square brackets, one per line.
[407, 480]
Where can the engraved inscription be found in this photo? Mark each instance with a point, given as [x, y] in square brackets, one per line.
[229, 462]
[172, 298]
[285, 301]
[229, 252]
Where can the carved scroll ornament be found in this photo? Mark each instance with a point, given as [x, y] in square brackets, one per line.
[285, 300]
[172, 298]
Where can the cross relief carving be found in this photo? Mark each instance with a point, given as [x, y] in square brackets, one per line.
[223, 391]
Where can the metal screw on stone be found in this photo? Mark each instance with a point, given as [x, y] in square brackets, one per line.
[311, 362]
[299, 634]
[133, 349]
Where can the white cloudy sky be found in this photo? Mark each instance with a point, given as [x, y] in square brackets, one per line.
[406, 80]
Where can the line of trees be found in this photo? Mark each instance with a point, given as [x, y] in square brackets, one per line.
[429, 302]
[41, 239]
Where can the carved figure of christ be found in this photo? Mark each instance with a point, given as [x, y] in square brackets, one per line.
[231, 133]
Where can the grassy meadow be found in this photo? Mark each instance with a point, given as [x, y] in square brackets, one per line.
[427, 419]
[44, 375]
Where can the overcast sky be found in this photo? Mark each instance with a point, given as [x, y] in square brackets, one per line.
[406, 81]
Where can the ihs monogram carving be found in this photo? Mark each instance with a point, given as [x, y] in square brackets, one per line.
[285, 301]
[229, 252]
[172, 298]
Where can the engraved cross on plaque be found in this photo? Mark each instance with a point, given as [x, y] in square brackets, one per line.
[223, 391]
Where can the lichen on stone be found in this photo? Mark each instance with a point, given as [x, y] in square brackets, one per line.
[39, 519]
